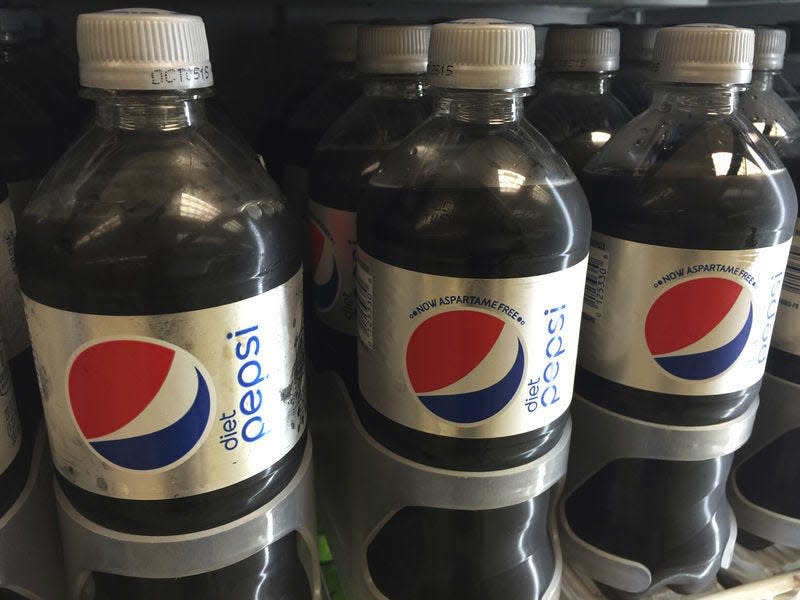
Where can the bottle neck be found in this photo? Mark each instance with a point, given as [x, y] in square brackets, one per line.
[148, 111]
[401, 87]
[696, 98]
[763, 80]
[579, 83]
[486, 107]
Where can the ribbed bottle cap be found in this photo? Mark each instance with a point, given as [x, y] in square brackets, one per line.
[637, 42]
[482, 54]
[587, 49]
[541, 37]
[391, 49]
[770, 47]
[704, 53]
[340, 42]
[143, 49]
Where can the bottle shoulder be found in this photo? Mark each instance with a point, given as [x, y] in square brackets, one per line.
[691, 181]
[446, 153]
[660, 142]
[477, 201]
[559, 115]
[159, 209]
[769, 113]
[375, 121]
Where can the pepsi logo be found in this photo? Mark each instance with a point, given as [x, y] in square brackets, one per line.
[697, 329]
[140, 403]
[464, 365]
[326, 273]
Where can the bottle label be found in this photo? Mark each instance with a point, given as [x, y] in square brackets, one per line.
[10, 432]
[333, 250]
[467, 358]
[787, 331]
[12, 315]
[678, 321]
[165, 406]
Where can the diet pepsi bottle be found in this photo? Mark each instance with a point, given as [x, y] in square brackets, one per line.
[392, 60]
[632, 85]
[473, 237]
[162, 283]
[760, 102]
[576, 110]
[314, 115]
[765, 488]
[27, 129]
[692, 219]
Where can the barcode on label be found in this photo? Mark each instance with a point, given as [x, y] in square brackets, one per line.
[791, 281]
[595, 290]
[364, 289]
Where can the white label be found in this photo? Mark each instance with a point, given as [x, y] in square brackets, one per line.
[10, 435]
[333, 248]
[469, 358]
[677, 321]
[787, 330]
[165, 406]
[12, 314]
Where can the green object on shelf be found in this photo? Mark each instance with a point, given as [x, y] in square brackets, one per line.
[329, 574]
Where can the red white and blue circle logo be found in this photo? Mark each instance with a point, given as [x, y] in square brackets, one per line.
[326, 273]
[140, 403]
[697, 329]
[464, 365]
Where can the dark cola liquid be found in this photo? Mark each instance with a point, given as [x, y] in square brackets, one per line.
[672, 516]
[472, 233]
[306, 126]
[632, 87]
[577, 125]
[771, 477]
[437, 554]
[267, 575]
[338, 179]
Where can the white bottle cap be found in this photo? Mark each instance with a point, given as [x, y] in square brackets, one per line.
[585, 49]
[340, 42]
[770, 47]
[143, 49]
[393, 49]
[704, 53]
[638, 42]
[482, 54]
[541, 37]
